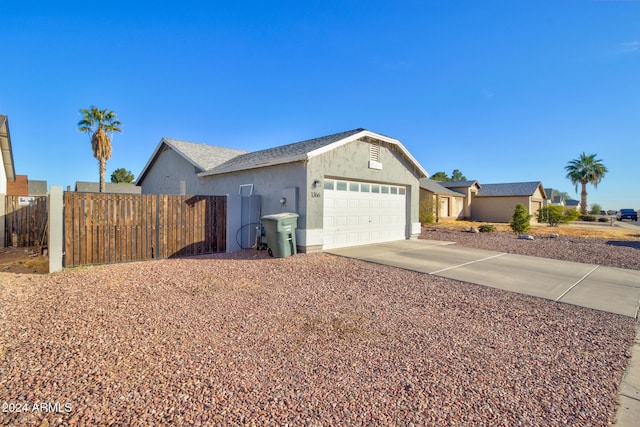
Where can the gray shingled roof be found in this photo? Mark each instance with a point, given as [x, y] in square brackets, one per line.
[571, 202]
[278, 155]
[203, 156]
[509, 189]
[459, 184]
[437, 188]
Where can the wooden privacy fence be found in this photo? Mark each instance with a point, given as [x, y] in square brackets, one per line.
[25, 220]
[104, 228]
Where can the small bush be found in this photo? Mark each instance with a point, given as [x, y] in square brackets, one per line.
[602, 219]
[553, 215]
[572, 215]
[487, 228]
[427, 211]
[589, 218]
[521, 220]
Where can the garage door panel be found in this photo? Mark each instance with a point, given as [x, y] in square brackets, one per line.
[357, 218]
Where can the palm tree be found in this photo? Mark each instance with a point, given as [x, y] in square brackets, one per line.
[97, 123]
[585, 170]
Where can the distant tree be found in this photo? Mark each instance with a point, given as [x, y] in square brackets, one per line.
[521, 220]
[595, 209]
[585, 170]
[97, 123]
[122, 175]
[440, 176]
[456, 175]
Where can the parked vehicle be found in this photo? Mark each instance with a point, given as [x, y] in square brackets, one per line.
[627, 214]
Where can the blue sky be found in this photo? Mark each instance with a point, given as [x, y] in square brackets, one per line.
[502, 90]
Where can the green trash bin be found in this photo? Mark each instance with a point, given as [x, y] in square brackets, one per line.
[280, 230]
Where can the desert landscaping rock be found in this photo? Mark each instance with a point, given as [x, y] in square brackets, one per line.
[312, 339]
[605, 252]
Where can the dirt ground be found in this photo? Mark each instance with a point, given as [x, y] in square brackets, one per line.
[575, 229]
[23, 260]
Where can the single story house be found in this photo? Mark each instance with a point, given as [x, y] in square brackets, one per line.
[489, 202]
[573, 204]
[496, 202]
[446, 203]
[110, 187]
[469, 189]
[350, 188]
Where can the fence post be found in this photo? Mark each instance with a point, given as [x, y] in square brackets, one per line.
[3, 242]
[234, 220]
[56, 216]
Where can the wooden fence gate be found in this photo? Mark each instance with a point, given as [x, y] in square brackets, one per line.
[25, 220]
[104, 228]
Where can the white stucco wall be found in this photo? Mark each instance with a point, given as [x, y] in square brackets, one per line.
[3, 176]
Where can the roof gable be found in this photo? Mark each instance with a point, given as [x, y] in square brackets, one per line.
[511, 189]
[304, 150]
[202, 156]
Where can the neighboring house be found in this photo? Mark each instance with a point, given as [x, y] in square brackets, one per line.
[447, 204]
[573, 204]
[119, 188]
[19, 187]
[496, 202]
[554, 198]
[350, 188]
[23, 186]
[469, 189]
[487, 202]
[37, 187]
[7, 171]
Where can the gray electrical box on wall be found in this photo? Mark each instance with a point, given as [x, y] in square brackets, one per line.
[250, 216]
[289, 200]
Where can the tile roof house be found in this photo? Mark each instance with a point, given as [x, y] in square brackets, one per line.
[349, 188]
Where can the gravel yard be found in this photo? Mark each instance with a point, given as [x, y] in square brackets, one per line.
[605, 252]
[307, 340]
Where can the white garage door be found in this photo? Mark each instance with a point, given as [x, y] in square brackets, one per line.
[359, 213]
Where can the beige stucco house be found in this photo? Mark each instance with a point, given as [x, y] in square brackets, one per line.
[486, 202]
[446, 204]
[496, 202]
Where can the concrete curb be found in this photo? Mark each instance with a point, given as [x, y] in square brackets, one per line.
[628, 412]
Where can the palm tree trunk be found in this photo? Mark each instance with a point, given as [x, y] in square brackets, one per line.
[103, 171]
[583, 198]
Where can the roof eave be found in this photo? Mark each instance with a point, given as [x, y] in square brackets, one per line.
[280, 161]
[7, 152]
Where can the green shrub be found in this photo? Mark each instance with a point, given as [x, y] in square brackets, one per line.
[487, 228]
[521, 220]
[553, 215]
[572, 215]
[603, 219]
[427, 211]
[589, 218]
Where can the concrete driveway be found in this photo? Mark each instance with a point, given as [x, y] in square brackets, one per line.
[602, 288]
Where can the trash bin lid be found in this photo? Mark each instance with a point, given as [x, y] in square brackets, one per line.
[279, 216]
